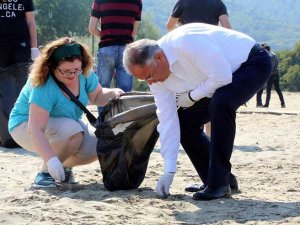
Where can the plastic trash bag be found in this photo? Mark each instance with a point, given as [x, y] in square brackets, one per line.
[126, 139]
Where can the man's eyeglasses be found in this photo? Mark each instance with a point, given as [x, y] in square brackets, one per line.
[69, 73]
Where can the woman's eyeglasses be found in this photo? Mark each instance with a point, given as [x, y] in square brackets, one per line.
[69, 73]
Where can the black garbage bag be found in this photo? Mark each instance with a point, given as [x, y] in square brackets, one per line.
[12, 80]
[126, 139]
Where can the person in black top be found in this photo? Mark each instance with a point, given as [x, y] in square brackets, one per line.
[198, 11]
[18, 46]
[274, 79]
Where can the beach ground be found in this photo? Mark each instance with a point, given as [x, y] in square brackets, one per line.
[266, 161]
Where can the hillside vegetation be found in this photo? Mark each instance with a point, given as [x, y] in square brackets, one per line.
[272, 21]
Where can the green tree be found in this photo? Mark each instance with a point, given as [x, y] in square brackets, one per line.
[290, 68]
[291, 81]
[61, 18]
[148, 29]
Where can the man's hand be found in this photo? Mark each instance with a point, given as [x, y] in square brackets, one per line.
[56, 169]
[184, 100]
[163, 184]
[34, 53]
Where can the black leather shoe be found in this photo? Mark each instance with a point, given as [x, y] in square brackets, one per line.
[210, 193]
[197, 187]
[234, 186]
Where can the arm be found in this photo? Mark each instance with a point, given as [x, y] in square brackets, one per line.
[209, 60]
[171, 23]
[100, 96]
[38, 119]
[29, 17]
[225, 21]
[168, 128]
[93, 26]
[135, 28]
[169, 134]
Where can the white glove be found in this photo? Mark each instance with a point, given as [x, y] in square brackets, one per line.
[163, 184]
[34, 53]
[184, 100]
[56, 169]
[118, 92]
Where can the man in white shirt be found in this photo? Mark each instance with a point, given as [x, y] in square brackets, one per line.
[208, 72]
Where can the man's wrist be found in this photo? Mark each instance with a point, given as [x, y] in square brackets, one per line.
[190, 97]
[170, 166]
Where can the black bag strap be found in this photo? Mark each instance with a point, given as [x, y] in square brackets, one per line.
[91, 118]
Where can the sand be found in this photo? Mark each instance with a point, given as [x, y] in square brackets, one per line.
[266, 161]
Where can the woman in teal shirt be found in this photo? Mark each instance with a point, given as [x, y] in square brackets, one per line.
[44, 119]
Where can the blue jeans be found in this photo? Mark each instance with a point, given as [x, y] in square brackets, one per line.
[110, 60]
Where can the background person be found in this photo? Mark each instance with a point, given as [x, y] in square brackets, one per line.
[198, 11]
[259, 97]
[274, 78]
[196, 67]
[116, 24]
[44, 119]
[18, 46]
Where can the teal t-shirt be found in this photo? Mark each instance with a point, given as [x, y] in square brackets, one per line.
[51, 98]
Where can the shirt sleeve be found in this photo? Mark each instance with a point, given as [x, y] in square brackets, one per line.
[211, 63]
[222, 9]
[28, 5]
[168, 127]
[43, 96]
[92, 82]
[96, 9]
[139, 14]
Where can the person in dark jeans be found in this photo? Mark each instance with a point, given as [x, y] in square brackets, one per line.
[258, 98]
[115, 23]
[274, 78]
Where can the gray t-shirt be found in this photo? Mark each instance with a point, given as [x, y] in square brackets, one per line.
[201, 11]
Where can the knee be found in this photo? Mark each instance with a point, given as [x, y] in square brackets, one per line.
[75, 141]
[219, 105]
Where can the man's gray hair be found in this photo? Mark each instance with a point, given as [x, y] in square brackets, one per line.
[140, 53]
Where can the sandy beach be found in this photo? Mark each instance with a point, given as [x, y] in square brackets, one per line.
[266, 161]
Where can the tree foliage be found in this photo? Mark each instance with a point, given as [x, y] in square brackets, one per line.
[290, 68]
[61, 18]
[148, 29]
[272, 21]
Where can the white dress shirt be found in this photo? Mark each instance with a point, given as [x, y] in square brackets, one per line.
[201, 58]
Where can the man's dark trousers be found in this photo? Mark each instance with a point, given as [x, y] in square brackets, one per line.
[274, 79]
[211, 159]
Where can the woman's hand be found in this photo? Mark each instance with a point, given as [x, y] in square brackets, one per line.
[100, 96]
[56, 169]
[118, 92]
